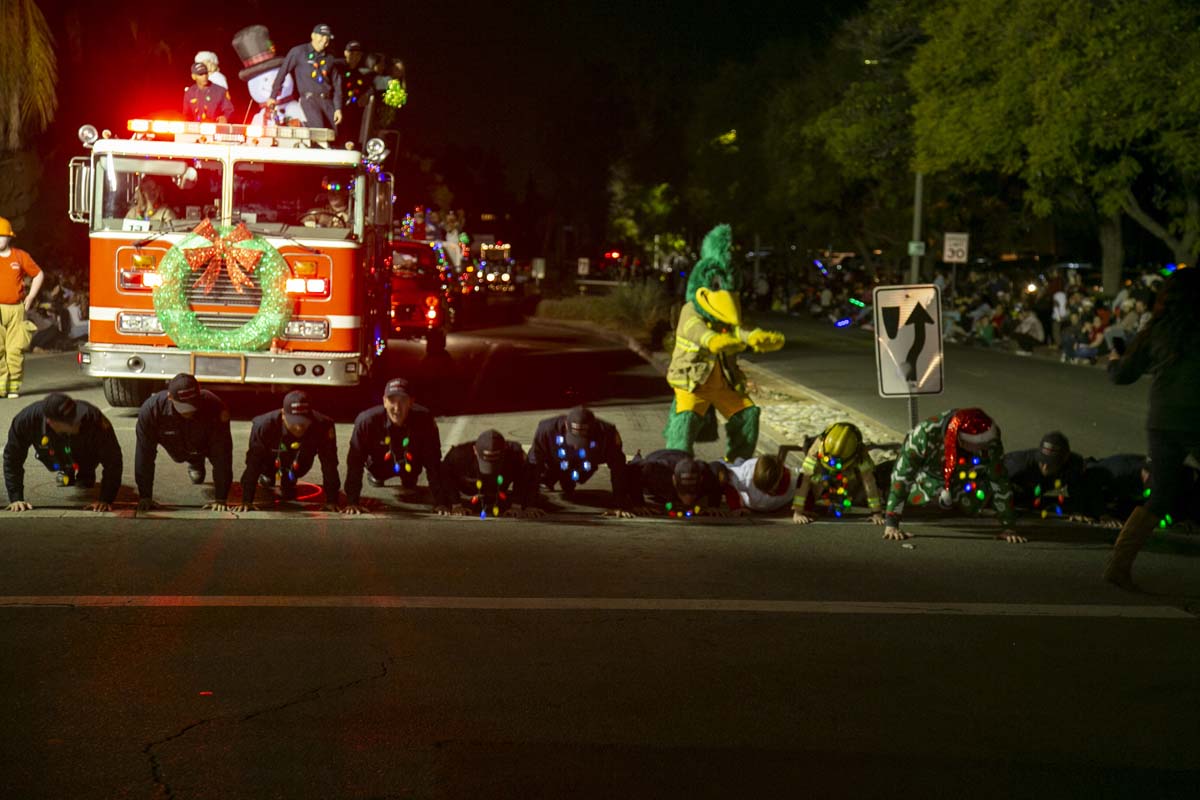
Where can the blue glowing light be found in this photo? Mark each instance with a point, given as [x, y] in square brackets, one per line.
[563, 465]
[587, 466]
[574, 474]
[562, 452]
[558, 440]
[842, 323]
[582, 452]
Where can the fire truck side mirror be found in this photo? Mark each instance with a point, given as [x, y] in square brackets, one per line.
[80, 200]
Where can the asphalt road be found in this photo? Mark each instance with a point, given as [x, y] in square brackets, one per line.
[1027, 396]
[311, 656]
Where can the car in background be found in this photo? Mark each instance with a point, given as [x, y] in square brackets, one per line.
[422, 305]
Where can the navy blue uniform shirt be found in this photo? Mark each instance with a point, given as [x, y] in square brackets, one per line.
[205, 434]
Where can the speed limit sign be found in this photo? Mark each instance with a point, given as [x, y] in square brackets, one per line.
[954, 248]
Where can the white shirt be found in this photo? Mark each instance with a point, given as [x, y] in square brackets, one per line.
[219, 80]
[741, 477]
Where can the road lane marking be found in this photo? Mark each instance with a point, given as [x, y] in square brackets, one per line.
[652, 604]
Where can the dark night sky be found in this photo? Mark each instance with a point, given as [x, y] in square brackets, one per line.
[520, 88]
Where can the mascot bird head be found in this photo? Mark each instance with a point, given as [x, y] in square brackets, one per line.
[713, 285]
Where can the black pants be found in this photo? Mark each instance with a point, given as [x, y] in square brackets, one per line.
[318, 111]
[1168, 449]
[1025, 341]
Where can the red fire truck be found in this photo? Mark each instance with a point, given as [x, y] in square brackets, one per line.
[238, 253]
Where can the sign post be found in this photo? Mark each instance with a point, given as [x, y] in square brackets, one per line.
[955, 247]
[908, 343]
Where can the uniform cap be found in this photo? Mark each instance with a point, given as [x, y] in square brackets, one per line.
[580, 423]
[354, 45]
[397, 387]
[489, 450]
[297, 408]
[1054, 449]
[323, 30]
[60, 408]
[184, 391]
[688, 474]
[199, 69]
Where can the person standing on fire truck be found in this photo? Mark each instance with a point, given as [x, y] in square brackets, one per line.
[15, 264]
[317, 79]
[204, 101]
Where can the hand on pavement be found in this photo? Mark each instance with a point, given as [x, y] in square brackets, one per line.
[800, 518]
[98, 506]
[442, 511]
[893, 533]
[330, 507]
[19, 505]
[877, 518]
[618, 513]
[241, 508]
[1012, 537]
[216, 506]
[354, 509]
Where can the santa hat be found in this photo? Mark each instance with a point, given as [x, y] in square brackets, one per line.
[968, 426]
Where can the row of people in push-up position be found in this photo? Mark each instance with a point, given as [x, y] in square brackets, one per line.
[955, 459]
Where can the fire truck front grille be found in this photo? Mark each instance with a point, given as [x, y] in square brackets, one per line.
[223, 293]
[223, 322]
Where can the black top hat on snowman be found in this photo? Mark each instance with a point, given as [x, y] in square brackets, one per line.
[256, 50]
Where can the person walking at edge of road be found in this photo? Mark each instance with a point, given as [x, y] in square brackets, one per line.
[15, 336]
[1167, 350]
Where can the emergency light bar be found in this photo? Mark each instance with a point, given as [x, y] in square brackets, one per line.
[225, 132]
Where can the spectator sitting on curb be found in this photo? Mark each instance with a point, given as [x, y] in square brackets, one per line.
[1029, 333]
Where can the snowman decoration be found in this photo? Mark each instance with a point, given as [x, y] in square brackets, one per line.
[260, 66]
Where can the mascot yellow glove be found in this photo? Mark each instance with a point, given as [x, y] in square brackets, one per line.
[765, 341]
[725, 344]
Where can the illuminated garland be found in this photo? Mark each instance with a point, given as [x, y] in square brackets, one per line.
[970, 493]
[479, 501]
[405, 456]
[239, 252]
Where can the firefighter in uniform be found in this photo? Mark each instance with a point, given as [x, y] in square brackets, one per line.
[317, 80]
[284, 444]
[398, 438]
[569, 449]
[494, 477]
[204, 101]
[678, 484]
[357, 82]
[191, 424]
[71, 438]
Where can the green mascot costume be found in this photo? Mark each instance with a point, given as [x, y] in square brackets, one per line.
[704, 371]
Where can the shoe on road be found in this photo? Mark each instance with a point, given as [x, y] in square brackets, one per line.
[371, 479]
[197, 474]
[266, 481]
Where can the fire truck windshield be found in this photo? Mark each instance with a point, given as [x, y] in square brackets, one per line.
[149, 193]
[303, 200]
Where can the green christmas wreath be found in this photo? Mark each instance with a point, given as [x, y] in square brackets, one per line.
[209, 249]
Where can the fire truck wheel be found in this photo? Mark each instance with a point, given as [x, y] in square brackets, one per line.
[128, 392]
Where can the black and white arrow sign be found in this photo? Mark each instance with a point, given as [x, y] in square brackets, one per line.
[908, 340]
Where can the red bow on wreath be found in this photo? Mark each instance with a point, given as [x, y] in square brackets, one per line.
[238, 261]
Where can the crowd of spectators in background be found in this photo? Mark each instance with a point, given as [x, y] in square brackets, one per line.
[1061, 311]
[61, 314]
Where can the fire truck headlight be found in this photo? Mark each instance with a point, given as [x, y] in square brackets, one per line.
[88, 135]
[152, 279]
[296, 285]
